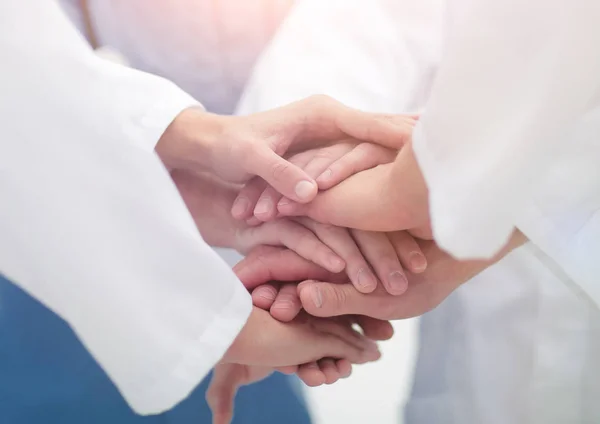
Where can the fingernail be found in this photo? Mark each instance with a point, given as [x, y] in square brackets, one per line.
[335, 263]
[283, 202]
[366, 280]
[326, 175]
[398, 282]
[317, 297]
[305, 189]
[263, 207]
[417, 261]
[267, 294]
[286, 206]
[240, 206]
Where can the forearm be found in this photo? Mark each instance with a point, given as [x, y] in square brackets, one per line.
[92, 227]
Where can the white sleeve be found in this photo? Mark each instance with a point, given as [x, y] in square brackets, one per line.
[90, 222]
[516, 78]
[376, 55]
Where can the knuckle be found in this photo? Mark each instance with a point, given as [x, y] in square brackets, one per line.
[328, 228]
[336, 297]
[356, 260]
[279, 170]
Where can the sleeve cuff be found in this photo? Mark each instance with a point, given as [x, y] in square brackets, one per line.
[465, 220]
[196, 362]
[144, 104]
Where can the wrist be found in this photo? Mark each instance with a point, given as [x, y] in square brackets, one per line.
[188, 142]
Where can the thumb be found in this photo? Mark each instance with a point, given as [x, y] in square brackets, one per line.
[329, 299]
[221, 392]
[285, 177]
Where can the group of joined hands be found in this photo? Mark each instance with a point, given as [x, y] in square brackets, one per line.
[331, 209]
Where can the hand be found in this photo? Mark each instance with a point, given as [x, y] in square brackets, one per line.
[336, 297]
[265, 341]
[389, 197]
[227, 378]
[236, 148]
[328, 165]
[334, 248]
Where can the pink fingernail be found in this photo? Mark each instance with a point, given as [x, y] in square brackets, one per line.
[398, 283]
[240, 207]
[335, 263]
[286, 206]
[417, 261]
[263, 207]
[366, 280]
[325, 176]
[305, 190]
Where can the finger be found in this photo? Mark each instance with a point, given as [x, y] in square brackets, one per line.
[393, 131]
[342, 243]
[288, 370]
[408, 251]
[330, 370]
[311, 374]
[295, 237]
[287, 304]
[382, 256]
[287, 178]
[324, 157]
[324, 299]
[362, 157]
[266, 206]
[321, 160]
[375, 329]
[245, 202]
[253, 221]
[221, 392]
[356, 348]
[268, 263]
[264, 296]
[344, 368]
[326, 118]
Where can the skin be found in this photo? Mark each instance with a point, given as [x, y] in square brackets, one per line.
[326, 294]
[237, 148]
[400, 201]
[367, 258]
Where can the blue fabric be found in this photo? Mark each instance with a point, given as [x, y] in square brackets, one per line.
[47, 377]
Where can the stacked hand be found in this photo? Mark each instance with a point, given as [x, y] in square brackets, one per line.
[350, 246]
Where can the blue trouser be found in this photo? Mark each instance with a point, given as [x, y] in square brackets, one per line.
[47, 377]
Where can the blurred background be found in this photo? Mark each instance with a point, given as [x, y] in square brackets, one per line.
[518, 346]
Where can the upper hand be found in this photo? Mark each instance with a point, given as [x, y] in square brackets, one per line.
[389, 197]
[236, 148]
[328, 165]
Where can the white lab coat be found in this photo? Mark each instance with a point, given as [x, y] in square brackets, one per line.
[91, 224]
[207, 47]
[520, 342]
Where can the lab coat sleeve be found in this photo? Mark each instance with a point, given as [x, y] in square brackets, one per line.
[515, 77]
[375, 55]
[91, 224]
